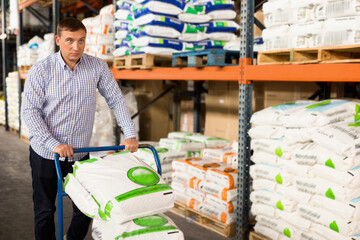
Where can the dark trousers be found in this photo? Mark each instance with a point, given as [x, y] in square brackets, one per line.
[44, 182]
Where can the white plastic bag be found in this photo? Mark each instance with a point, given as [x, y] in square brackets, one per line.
[157, 226]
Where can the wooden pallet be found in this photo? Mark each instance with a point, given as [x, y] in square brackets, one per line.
[13, 130]
[109, 63]
[142, 61]
[256, 236]
[226, 230]
[25, 139]
[25, 68]
[340, 54]
[212, 57]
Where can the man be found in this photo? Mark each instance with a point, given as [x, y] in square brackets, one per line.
[59, 109]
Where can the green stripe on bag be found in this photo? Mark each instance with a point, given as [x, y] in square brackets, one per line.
[143, 191]
[145, 231]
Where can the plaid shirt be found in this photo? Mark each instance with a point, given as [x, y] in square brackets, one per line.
[59, 104]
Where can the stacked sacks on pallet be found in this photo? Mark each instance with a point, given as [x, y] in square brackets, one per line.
[310, 23]
[12, 90]
[154, 30]
[289, 172]
[100, 34]
[206, 185]
[213, 19]
[123, 195]
[124, 26]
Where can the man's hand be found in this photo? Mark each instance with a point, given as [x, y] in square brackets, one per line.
[131, 144]
[64, 150]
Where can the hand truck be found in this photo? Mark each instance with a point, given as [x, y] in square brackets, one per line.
[60, 191]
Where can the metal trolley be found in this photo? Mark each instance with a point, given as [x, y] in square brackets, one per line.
[61, 192]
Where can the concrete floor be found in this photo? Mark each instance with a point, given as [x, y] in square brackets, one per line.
[16, 207]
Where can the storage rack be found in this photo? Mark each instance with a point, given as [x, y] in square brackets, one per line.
[246, 74]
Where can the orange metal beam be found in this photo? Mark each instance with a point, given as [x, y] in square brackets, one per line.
[228, 73]
[334, 72]
[26, 4]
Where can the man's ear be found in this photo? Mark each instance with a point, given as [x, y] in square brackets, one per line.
[57, 40]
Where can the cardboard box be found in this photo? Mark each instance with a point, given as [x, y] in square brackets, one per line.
[222, 110]
[187, 116]
[155, 121]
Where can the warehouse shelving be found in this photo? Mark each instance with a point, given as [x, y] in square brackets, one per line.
[336, 72]
[230, 73]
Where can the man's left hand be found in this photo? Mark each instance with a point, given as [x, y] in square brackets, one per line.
[131, 144]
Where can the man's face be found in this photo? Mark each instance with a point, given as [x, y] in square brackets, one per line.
[71, 44]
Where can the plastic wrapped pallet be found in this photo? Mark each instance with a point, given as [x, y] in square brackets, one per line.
[139, 184]
[337, 8]
[181, 144]
[321, 114]
[219, 154]
[217, 214]
[165, 155]
[209, 141]
[150, 227]
[337, 223]
[271, 115]
[273, 199]
[205, 11]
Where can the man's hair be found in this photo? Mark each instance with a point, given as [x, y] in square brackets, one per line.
[70, 24]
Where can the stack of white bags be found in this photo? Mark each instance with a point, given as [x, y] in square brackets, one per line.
[12, 89]
[207, 184]
[124, 196]
[214, 21]
[306, 174]
[172, 26]
[35, 50]
[310, 23]
[100, 34]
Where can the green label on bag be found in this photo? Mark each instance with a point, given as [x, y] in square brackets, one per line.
[191, 10]
[319, 104]
[356, 117]
[190, 28]
[143, 191]
[219, 43]
[145, 231]
[287, 232]
[109, 206]
[329, 163]
[151, 221]
[219, 2]
[329, 193]
[221, 24]
[334, 226]
[279, 179]
[143, 176]
[278, 151]
[100, 212]
[279, 205]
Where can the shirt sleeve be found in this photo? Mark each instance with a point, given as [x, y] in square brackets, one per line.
[110, 90]
[32, 113]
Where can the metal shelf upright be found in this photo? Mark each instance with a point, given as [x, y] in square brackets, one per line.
[245, 96]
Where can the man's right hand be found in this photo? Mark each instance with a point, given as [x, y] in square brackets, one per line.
[64, 150]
